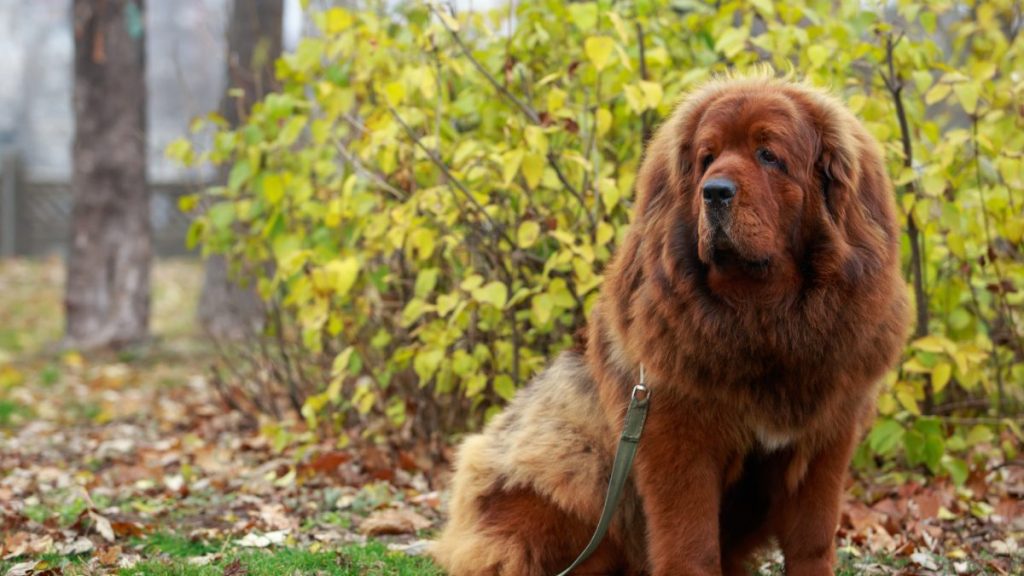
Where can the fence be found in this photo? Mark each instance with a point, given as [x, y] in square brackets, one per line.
[35, 215]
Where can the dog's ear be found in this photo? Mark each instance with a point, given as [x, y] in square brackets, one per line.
[838, 162]
[856, 191]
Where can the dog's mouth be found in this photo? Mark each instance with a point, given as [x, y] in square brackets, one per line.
[726, 257]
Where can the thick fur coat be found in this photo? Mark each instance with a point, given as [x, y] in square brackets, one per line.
[759, 286]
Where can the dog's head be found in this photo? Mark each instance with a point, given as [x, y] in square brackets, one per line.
[767, 178]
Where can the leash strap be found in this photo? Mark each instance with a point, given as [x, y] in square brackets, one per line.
[636, 415]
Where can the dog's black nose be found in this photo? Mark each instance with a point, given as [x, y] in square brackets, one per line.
[719, 190]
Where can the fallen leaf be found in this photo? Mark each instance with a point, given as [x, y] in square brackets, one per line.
[393, 521]
[109, 556]
[235, 568]
[414, 548]
[78, 546]
[102, 526]
[254, 540]
[204, 559]
[329, 461]
[22, 569]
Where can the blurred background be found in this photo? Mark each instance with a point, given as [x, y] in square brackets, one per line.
[263, 262]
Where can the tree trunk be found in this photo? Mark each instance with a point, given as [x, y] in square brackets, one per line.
[226, 309]
[107, 294]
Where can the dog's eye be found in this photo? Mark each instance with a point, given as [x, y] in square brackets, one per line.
[768, 158]
[706, 161]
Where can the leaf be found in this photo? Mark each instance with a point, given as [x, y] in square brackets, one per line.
[394, 92]
[504, 387]
[937, 93]
[221, 215]
[635, 98]
[341, 362]
[426, 281]
[343, 274]
[475, 384]
[967, 93]
[102, 526]
[291, 131]
[886, 436]
[257, 540]
[652, 92]
[273, 188]
[427, 362]
[933, 343]
[528, 233]
[941, 373]
[907, 399]
[957, 468]
[239, 175]
[598, 49]
[493, 293]
[510, 163]
[603, 119]
[609, 193]
[533, 169]
[393, 522]
[583, 15]
[818, 55]
[732, 41]
[541, 307]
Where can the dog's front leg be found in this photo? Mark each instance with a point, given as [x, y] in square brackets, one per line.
[679, 476]
[811, 509]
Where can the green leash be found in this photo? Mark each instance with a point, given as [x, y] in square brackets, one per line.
[628, 443]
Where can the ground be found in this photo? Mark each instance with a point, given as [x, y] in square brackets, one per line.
[132, 464]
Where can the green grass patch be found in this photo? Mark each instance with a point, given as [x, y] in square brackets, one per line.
[175, 545]
[13, 413]
[372, 559]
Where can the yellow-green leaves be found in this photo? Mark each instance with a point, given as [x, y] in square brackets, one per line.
[644, 95]
[603, 120]
[493, 293]
[468, 275]
[394, 92]
[732, 41]
[598, 49]
[967, 94]
[273, 188]
[818, 55]
[533, 168]
[528, 233]
[341, 274]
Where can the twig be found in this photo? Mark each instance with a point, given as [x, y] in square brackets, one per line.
[448, 174]
[526, 109]
[894, 84]
[645, 120]
[375, 177]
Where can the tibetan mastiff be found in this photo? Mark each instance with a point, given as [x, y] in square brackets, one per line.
[759, 286]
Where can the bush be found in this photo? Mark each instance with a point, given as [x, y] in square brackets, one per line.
[437, 194]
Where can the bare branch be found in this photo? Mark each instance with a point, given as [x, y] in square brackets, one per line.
[894, 84]
[374, 177]
[526, 109]
[448, 174]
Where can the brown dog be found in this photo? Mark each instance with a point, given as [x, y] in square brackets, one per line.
[759, 286]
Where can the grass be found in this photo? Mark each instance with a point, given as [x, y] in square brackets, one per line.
[351, 561]
[372, 559]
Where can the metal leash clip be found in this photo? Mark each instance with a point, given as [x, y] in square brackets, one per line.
[641, 392]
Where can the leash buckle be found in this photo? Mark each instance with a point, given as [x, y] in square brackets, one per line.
[640, 393]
